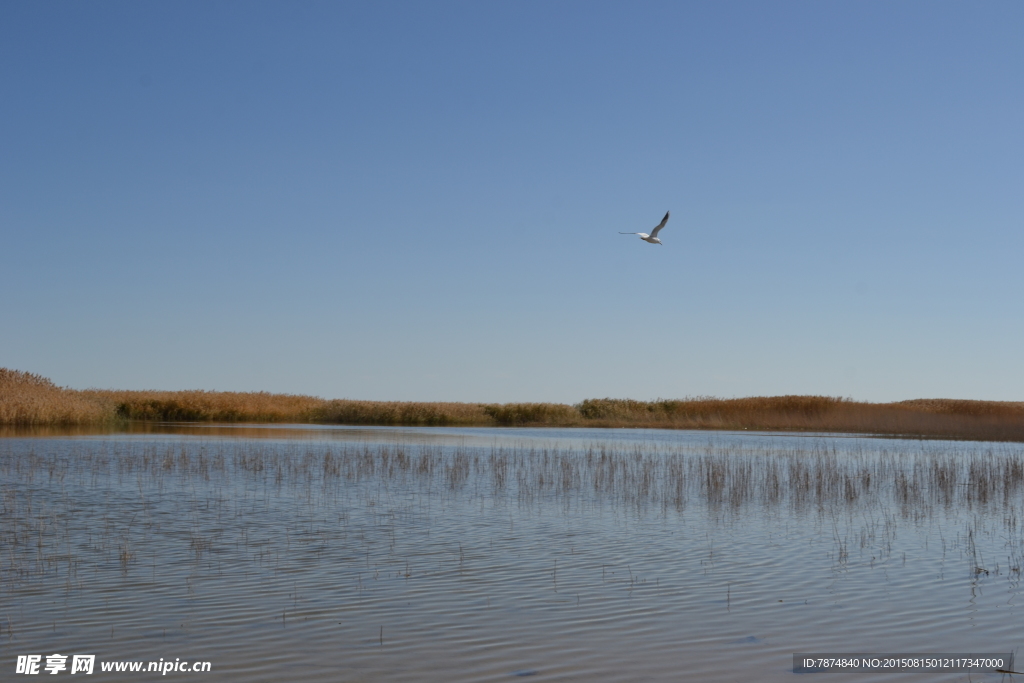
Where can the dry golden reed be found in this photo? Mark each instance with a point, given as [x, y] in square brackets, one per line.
[27, 399]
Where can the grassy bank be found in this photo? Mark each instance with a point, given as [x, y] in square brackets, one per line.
[27, 399]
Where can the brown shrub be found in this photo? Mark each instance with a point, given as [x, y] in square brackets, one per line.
[341, 411]
[209, 406]
[518, 414]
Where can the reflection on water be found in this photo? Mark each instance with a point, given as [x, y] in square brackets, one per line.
[477, 554]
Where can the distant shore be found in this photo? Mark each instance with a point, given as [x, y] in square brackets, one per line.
[27, 399]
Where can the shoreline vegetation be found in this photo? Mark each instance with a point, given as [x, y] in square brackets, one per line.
[29, 400]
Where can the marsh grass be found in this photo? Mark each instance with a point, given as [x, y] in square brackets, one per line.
[815, 477]
[31, 400]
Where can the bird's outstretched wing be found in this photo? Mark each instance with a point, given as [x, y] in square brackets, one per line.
[631, 233]
[654, 233]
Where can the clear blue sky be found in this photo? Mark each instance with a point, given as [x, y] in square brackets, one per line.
[421, 200]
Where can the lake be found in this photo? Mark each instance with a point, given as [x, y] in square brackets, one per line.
[403, 554]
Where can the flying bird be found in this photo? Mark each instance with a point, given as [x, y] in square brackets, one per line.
[653, 237]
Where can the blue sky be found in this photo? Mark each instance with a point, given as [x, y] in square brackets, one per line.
[421, 201]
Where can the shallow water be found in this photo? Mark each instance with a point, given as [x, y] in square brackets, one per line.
[490, 554]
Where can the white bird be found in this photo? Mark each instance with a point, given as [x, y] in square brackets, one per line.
[653, 237]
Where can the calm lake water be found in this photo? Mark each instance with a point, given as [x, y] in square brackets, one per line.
[356, 554]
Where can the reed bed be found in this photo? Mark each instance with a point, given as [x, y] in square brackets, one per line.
[27, 399]
[915, 479]
[956, 419]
